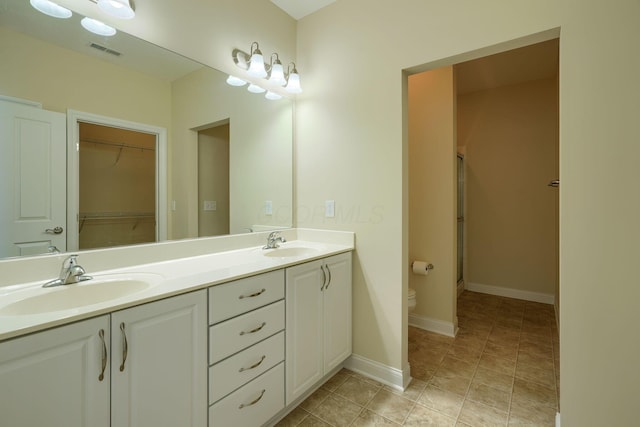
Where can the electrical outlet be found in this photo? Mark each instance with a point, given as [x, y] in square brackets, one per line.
[210, 205]
[268, 207]
[173, 205]
[330, 208]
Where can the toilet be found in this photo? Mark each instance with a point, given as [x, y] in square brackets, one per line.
[411, 300]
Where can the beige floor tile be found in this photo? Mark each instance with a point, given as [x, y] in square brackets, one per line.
[294, 418]
[494, 379]
[422, 372]
[537, 340]
[454, 366]
[371, 419]
[537, 361]
[541, 375]
[468, 354]
[536, 350]
[471, 341]
[490, 396]
[412, 392]
[531, 414]
[498, 364]
[451, 382]
[441, 400]
[315, 399]
[357, 390]
[524, 391]
[390, 406]
[508, 352]
[477, 414]
[337, 411]
[312, 421]
[366, 379]
[336, 380]
[422, 416]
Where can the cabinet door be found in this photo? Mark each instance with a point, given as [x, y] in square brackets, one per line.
[303, 328]
[159, 363]
[337, 311]
[53, 378]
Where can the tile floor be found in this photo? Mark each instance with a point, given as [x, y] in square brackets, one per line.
[500, 370]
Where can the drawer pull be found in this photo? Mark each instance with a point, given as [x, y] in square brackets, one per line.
[242, 405]
[104, 355]
[258, 363]
[125, 347]
[253, 331]
[252, 295]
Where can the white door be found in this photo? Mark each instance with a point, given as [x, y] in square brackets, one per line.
[337, 311]
[304, 328]
[33, 172]
[159, 363]
[57, 378]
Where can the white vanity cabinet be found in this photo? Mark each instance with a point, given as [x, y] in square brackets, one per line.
[143, 366]
[318, 310]
[246, 350]
[57, 378]
[159, 363]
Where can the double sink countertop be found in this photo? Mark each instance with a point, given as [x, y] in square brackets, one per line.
[28, 307]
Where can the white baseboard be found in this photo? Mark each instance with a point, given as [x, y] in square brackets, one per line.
[511, 293]
[557, 419]
[433, 325]
[393, 377]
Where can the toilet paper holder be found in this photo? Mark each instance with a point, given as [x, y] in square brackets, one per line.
[429, 266]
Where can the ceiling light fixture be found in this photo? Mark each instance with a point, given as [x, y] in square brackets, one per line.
[253, 64]
[119, 8]
[97, 27]
[50, 8]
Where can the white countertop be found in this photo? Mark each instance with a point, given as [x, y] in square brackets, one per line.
[170, 277]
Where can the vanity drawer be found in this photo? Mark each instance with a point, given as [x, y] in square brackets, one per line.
[252, 405]
[237, 297]
[239, 369]
[230, 337]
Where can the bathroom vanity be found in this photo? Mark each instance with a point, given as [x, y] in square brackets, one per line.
[228, 338]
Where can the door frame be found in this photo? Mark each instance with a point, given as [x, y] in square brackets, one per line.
[73, 173]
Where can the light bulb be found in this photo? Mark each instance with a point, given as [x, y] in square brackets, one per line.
[273, 96]
[255, 88]
[118, 8]
[293, 84]
[277, 75]
[235, 81]
[50, 8]
[256, 65]
[97, 27]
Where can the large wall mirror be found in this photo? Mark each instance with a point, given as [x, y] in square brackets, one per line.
[226, 155]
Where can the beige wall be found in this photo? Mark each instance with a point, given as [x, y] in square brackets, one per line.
[213, 180]
[432, 191]
[351, 136]
[260, 152]
[599, 211]
[29, 65]
[510, 135]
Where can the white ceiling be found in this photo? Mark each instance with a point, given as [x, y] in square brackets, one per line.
[534, 62]
[300, 8]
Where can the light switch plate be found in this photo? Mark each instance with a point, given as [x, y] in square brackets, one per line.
[173, 205]
[268, 207]
[330, 208]
[210, 205]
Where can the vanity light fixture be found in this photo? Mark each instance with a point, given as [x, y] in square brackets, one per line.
[50, 8]
[97, 27]
[119, 8]
[256, 63]
[276, 72]
[293, 80]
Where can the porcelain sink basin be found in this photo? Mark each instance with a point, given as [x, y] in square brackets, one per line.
[291, 252]
[97, 290]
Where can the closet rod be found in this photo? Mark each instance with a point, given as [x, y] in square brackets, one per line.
[116, 144]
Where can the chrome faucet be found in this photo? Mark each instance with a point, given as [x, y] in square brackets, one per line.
[71, 272]
[273, 239]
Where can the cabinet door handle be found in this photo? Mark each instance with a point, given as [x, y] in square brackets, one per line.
[125, 346]
[253, 295]
[328, 281]
[324, 278]
[243, 405]
[253, 331]
[258, 363]
[104, 355]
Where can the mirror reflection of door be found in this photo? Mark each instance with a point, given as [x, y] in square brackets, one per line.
[32, 180]
[213, 180]
[117, 186]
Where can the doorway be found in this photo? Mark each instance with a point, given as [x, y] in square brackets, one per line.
[117, 182]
